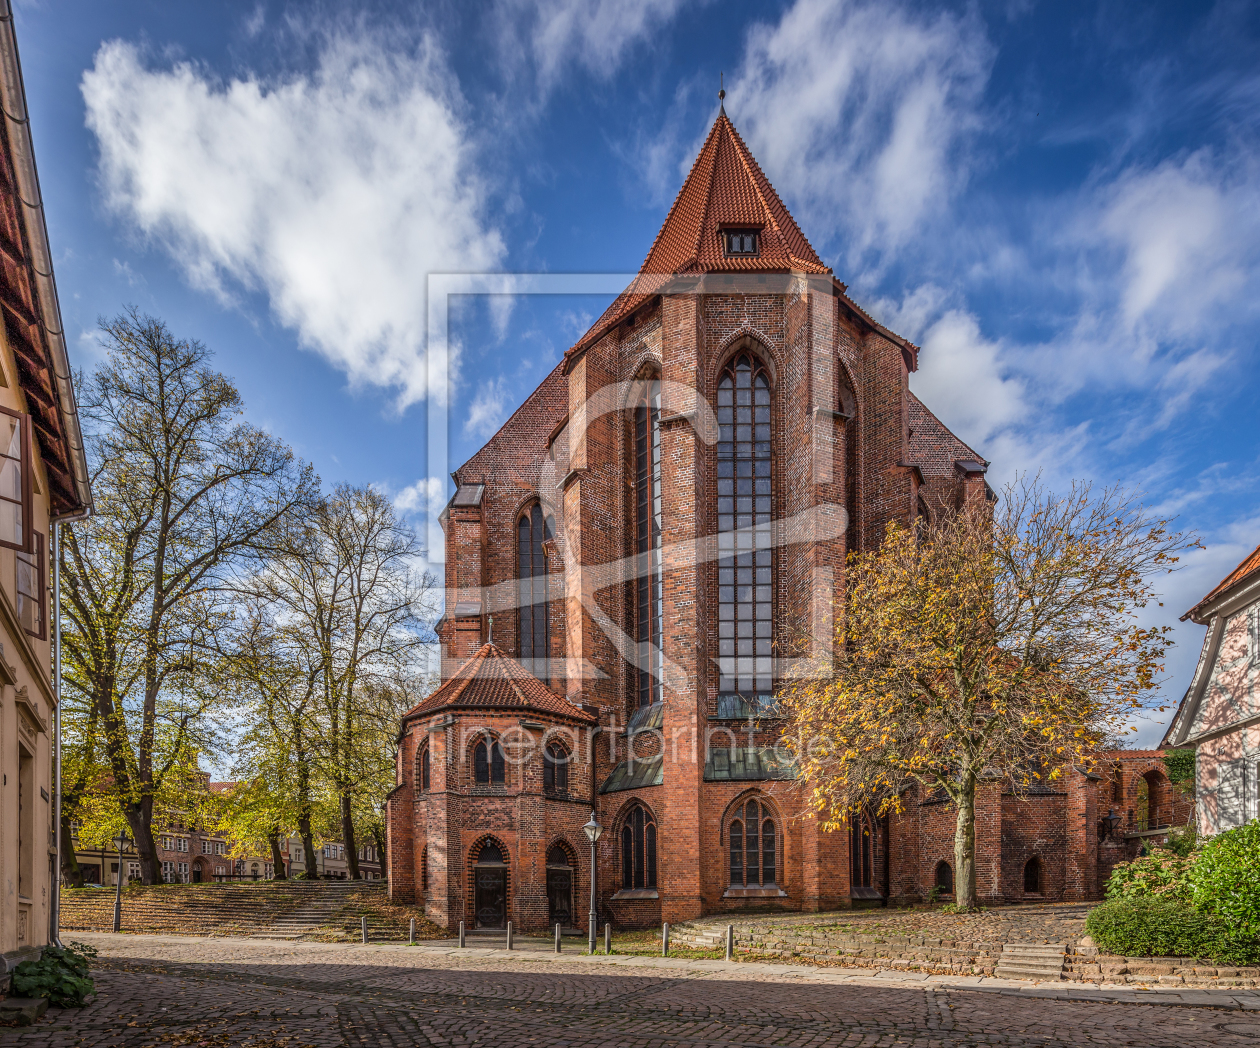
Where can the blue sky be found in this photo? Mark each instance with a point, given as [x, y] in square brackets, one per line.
[1059, 202]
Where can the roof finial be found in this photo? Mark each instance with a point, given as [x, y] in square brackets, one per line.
[722, 92]
[490, 634]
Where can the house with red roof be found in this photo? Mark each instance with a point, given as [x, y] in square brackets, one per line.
[648, 547]
[1219, 715]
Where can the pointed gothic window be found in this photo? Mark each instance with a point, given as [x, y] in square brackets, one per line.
[488, 764]
[638, 849]
[754, 847]
[424, 769]
[650, 603]
[532, 530]
[746, 558]
[555, 769]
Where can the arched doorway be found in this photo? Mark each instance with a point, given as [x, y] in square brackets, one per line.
[559, 887]
[490, 887]
[862, 874]
[199, 871]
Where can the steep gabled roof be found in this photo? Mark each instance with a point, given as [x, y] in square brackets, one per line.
[1249, 566]
[933, 448]
[726, 189]
[493, 680]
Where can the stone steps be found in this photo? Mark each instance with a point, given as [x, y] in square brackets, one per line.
[1040, 961]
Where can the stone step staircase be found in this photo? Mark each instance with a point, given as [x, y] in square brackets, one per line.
[267, 909]
[1026, 960]
[318, 910]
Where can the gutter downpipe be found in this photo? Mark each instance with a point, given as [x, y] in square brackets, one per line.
[54, 909]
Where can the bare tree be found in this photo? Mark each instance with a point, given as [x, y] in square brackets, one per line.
[187, 494]
[348, 589]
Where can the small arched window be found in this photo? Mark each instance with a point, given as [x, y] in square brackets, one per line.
[944, 877]
[424, 769]
[638, 849]
[754, 844]
[1032, 876]
[555, 769]
[532, 530]
[489, 767]
[558, 857]
[490, 855]
[745, 506]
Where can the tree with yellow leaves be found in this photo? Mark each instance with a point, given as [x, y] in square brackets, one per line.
[1000, 641]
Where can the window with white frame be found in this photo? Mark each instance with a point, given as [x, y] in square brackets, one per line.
[183, 873]
[168, 872]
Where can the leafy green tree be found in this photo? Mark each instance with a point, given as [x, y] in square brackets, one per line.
[188, 496]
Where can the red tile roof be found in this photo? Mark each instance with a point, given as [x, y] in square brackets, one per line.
[725, 189]
[492, 680]
[1249, 566]
[933, 448]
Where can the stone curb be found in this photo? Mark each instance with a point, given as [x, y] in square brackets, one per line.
[1197, 997]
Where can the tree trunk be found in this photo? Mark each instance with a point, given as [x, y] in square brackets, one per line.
[70, 869]
[965, 844]
[347, 835]
[308, 845]
[142, 834]
[378, 835]
[277, 857]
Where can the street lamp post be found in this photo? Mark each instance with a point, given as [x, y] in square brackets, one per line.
[593, 831]
[122, 841]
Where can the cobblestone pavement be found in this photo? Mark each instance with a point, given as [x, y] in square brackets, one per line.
[213, 993]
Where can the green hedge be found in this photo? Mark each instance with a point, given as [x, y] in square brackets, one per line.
[1162, 926]
[1153, 926]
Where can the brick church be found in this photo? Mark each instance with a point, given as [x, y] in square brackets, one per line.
[638, 556]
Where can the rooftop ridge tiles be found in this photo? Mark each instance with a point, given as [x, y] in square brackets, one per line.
[1245, 568]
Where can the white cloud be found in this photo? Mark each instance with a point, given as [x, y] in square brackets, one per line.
[1188, 234]
[861, 111]
[560, 34]
[964, 379]
[488, 409]
[422, 497]
[334, 192]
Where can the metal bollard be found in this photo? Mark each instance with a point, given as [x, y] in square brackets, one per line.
[557, 936]
[665, 939]
[364, 924]
[411, 938]
[509, 935]
[730, 942]
[607, 939]
[461, 935]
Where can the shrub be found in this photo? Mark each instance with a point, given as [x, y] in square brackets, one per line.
[61, 975]
[1226, 879]
[1154, 926]
[1164, 873]
[1182, 840]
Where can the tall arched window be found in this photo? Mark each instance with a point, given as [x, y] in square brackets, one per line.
[650, 603]
[638, 849]
[532, 530]
[424, 869]
[944, 877]
[746, 558]
[753, 847]
[860, 849]
[555, 769]
[424, 769]
[488, 764]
